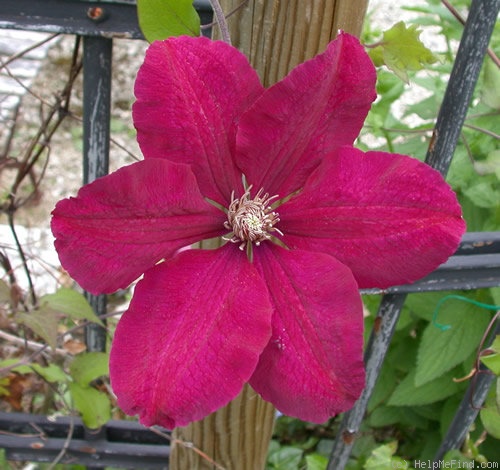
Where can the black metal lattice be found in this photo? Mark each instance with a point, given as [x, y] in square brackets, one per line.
[476, 264]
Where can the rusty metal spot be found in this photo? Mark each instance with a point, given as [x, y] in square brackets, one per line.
[433, 140]
[37, 445]
[348, 437]
[97, 14]
[88, 449]
[377, 324]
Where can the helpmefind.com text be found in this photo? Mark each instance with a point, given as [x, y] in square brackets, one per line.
[451, 464]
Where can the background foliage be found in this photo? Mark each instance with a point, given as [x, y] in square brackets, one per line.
[437, 338]
[417, 393]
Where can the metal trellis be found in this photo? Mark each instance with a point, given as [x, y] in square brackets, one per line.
[124, 444]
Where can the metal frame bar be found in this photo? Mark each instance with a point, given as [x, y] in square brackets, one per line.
[463, 78]
[120, 442]
[476, 263]
[123, 444]
[111, 19]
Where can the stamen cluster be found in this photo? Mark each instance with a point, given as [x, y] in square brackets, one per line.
[251, 220]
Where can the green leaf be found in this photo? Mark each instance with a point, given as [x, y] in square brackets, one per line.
[381, 457]
[94, 406]
[87, 367]
[160, 19]
[485, 192]
[492, 360]
[457, 458]
[388, 415]
[4, 390]
[439, 351]
[385, 416]
[316, 462]
[426, 109]
[403, 51]
[43, 324]
[384, 386]
[408, 394]
[284, 458]
[69, 303]
[490, 90]
[9, 362]
[422, 305]
[490, 412]
[52, 373]
[3, 459]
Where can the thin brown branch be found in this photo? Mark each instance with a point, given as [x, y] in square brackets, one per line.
[19, 54]
[221, 21]
[462, 20]
[228, 15]
[10, 218]
[66, 444]
[13, 339]
[188, 445]
[483, 130]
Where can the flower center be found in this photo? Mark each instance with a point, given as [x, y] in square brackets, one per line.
[251, 220]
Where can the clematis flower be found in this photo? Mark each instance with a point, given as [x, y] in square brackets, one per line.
[308, 220]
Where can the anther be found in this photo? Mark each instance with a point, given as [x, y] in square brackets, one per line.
[251, 220]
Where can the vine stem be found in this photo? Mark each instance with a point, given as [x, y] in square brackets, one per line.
[221, 21]
[461, 20]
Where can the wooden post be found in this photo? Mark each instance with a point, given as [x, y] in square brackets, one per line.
[276, 35]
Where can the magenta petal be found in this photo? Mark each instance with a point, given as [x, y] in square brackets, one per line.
[122, 224]
[319, 106]
[191, 337]
[391, 218]
[190, 95]
[312, 367]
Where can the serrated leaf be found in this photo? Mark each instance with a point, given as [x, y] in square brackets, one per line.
[408, 394]
[441, 350]
[403, 51]
[43, 324]
[93, 406]
[490, 90]
[160, 19]
[492, 361]
[69, 303]
[87, 367]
